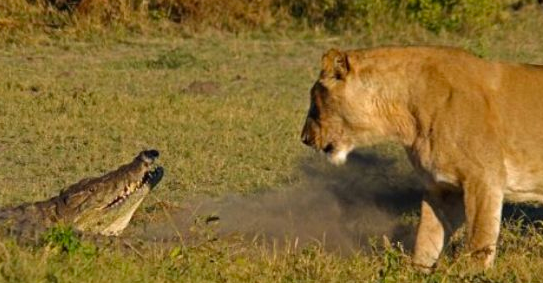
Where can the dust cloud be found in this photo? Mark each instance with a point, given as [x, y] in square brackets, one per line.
[340, 208]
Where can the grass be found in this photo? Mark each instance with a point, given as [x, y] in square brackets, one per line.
[75, 108]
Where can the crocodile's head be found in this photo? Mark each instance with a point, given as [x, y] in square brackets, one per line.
[105, 205]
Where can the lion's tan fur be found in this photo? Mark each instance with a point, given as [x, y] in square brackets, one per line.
[472, 128]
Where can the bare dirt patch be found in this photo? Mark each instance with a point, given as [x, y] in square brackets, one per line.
[203, 87]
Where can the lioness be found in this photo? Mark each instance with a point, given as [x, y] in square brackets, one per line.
[472, 128]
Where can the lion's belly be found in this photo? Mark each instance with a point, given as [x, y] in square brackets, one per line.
[524, 183]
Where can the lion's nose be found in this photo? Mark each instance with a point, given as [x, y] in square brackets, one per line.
[306, 139]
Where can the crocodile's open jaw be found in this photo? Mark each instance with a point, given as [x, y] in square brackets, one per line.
[150, 178]
[106, 204]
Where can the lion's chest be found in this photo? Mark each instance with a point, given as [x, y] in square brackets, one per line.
[523, 183]
[524, 179]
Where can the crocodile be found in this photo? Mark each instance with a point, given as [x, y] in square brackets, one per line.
[100, 206]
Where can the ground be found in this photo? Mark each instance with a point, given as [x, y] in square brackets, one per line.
[226, 113]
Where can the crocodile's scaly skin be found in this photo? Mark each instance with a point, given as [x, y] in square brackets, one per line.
[101, 205]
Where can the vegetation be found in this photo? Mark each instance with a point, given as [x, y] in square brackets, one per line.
[221, 90]
[240, 15]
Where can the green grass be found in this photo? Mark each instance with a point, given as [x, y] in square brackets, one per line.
[71, 109]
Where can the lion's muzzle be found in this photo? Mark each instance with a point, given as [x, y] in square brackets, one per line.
[308, 133]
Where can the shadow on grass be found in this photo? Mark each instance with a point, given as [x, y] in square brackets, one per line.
[340, 208]
[343, 209]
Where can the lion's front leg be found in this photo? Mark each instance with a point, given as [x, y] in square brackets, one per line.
[483, 205]
[441, 215]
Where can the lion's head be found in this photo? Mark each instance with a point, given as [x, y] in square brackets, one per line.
[353, 103]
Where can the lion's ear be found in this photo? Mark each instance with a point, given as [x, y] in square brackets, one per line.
[335, 64]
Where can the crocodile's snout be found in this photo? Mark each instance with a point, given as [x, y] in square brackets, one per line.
[149, 156]
[156, 176]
